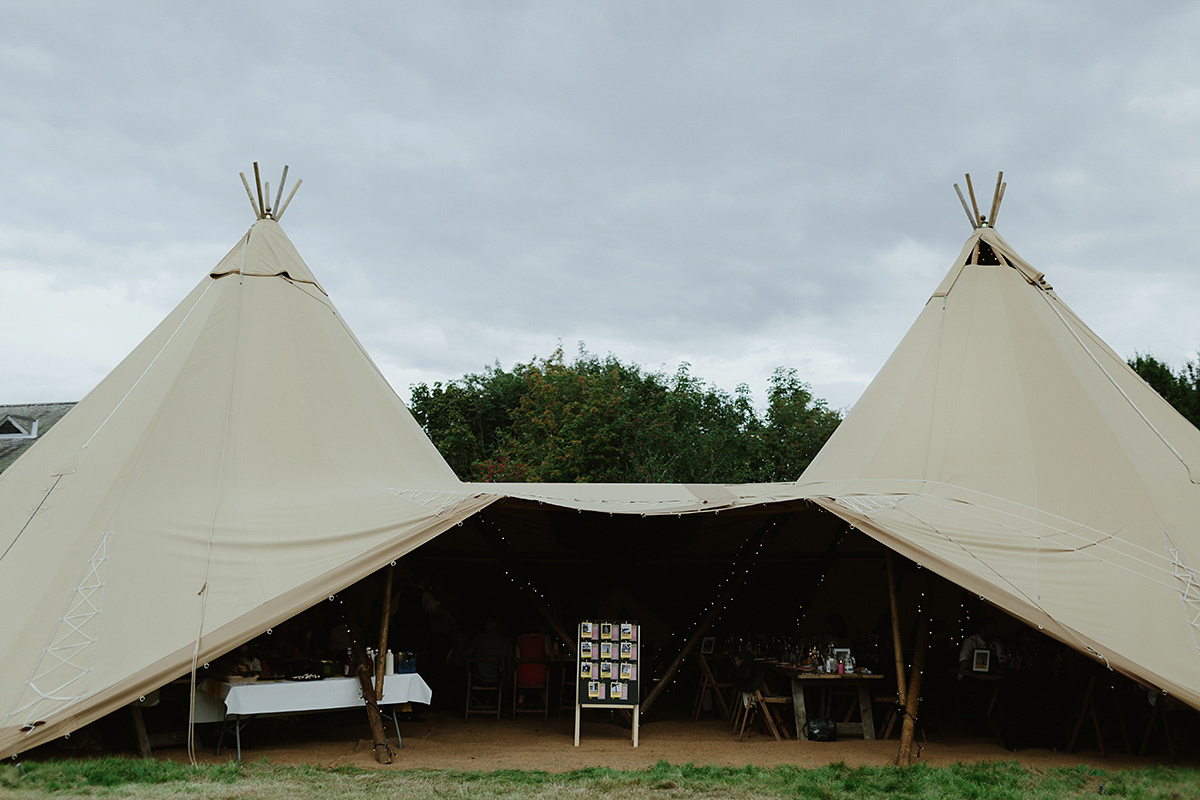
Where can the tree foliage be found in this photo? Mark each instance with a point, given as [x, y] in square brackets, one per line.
[1180, 389]
[597, 419]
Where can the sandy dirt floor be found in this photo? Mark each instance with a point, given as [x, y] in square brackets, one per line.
[447, 742]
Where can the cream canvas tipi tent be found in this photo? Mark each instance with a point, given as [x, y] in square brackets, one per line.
[1006, 447]
[246, 460]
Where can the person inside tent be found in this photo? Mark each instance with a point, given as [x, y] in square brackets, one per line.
[490, 653]
[977, 695]
[985, 638]
[426, 628]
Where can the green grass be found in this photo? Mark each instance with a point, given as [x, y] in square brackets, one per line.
[131, 778]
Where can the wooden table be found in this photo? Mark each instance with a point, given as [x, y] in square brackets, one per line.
[245, 701]
[860, 681]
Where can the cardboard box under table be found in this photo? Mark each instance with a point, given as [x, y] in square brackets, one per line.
[245, 701]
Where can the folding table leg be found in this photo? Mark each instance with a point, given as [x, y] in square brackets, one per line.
[396, 722]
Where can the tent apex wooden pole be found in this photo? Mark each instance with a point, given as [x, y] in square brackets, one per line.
[262, 206]
[970, 191]
[250, 194]
[966, 209]
[996, 199]
[291, 194]
[999, 200]
[279, 193]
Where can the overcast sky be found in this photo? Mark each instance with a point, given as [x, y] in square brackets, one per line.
[735, 185]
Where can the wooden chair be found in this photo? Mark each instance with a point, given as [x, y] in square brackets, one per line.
[751, 703]
[484, 697]
[709, 683]
[532, 674]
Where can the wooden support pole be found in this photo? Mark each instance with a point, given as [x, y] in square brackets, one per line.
[291, 194]
[688, 647]
[139, 725]
[970, 191]
[909, 727]
[897, 645]
[263, 206]
[362, 668]
[961, 199]
[279, 194]
[999, 200]
[764, 535]
[996, 199]
[250, 194]
[383, 631]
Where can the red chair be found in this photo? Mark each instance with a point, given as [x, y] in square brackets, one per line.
[532, 674]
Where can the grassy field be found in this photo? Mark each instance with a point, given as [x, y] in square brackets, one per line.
[131, 778]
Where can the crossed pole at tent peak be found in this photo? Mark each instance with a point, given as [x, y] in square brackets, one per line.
[978, 220]
[262, 206]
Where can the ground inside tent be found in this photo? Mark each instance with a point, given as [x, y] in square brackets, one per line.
[445, 741]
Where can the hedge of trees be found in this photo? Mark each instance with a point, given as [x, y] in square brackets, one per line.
[596, 418]
[1181, 389]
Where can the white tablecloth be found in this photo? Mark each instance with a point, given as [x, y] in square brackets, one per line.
[282, 697]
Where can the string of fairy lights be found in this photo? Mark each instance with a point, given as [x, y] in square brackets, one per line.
[828, 561]
[484, 520]
[741, 564]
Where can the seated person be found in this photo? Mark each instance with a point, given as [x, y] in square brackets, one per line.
[490, 643]
[246, 662]
[983, 639]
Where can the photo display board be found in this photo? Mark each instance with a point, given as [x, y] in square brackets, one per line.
[608, 665]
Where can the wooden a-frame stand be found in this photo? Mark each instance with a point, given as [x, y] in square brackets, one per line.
[634, 710]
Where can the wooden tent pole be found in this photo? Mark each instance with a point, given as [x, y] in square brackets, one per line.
[996, 199]
[974, 205]
[279, 194]
[764, 535]
[279, 211]
[263, 206]
[897, 645]
[250, 194]
[904, 754]
[961, 199]
[999, 200]
[688, 647]
[383, 753]
[385, 620]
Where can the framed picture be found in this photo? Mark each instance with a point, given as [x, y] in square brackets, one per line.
[982, 662]
[707, 645]
[841, 653]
